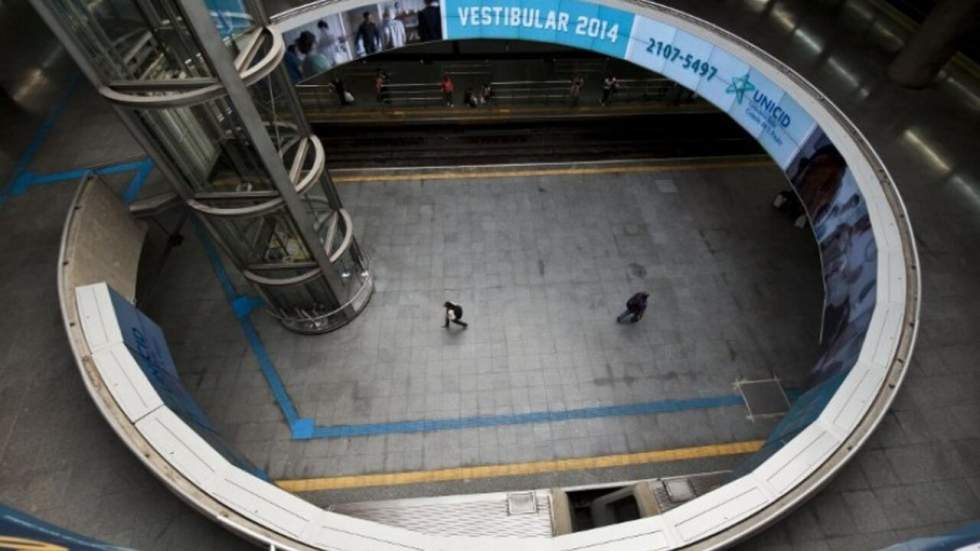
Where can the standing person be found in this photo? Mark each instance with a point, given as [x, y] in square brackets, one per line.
[314, 62]
[368, 34]
[469, 98]
[394, 31]
[447, 88]
[487, 93]
[576, 89]
[345, 97]
[293, 64]
[381, 86]
[609, 87]
[635, 307]
[454, 313]
[430, 22]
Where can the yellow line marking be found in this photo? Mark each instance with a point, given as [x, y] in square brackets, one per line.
[621, 169]
[519, 469]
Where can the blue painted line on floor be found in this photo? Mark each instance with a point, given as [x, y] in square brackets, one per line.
[306, 429]
[431, 425]
[21, 176]
[243, 306]
[138, 181]
[41, 179]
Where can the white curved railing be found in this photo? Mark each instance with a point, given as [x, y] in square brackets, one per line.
[251, 506]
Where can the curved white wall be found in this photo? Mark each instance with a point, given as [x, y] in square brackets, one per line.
[793, 472]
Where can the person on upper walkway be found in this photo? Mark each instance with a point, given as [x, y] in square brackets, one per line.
[610, 85]
[447, 88]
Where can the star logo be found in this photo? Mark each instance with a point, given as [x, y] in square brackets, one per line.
[740, 86]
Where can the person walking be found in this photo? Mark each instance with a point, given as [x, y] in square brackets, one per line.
[609, 87]
[447, 88]
[635, 307]
[454, 313]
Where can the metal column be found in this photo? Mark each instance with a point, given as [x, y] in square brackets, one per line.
[215, 110]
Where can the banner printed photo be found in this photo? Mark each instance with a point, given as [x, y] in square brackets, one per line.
[842, 227]
[329, 39]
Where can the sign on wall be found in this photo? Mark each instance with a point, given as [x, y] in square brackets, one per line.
[765, 111]
[147, 345]
[569, 22]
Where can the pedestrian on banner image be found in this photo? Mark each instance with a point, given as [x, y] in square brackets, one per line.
[430, 22]
[369, 35]
[635, 307]
[454, 313]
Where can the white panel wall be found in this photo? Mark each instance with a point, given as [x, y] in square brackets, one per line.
[125, 381]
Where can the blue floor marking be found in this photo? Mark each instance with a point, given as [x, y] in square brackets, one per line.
[647, 408]
[306, 429]
[22, 177]
[136, 184]
[243, 306]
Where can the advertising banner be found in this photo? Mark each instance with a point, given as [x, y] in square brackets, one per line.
[569, 22]
[325, 38]
[849, 261]
[765, 111]
[842, 227]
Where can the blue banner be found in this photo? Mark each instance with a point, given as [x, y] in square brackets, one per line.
[148, 346]
[569, 22]
[766, 112]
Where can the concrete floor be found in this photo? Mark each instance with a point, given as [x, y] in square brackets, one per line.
[919, 474]
[542, 265]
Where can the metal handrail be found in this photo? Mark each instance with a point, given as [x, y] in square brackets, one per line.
[321, 96]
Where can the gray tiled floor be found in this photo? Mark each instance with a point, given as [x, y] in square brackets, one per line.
[59, 460]
[542, 266]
